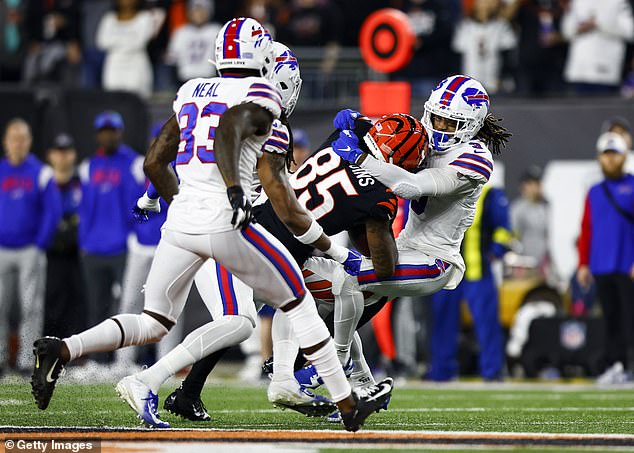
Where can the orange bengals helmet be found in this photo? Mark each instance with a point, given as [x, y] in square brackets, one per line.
[399, 139]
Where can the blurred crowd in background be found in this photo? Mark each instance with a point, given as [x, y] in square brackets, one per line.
[71, 253]
[524, 47]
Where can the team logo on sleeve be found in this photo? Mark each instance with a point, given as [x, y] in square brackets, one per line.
[475, 97]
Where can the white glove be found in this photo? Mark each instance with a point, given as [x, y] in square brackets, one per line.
[149, 204]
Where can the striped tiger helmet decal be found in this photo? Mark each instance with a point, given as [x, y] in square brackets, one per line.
[400, 139]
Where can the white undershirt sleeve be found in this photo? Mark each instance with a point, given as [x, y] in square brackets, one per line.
[429, 182]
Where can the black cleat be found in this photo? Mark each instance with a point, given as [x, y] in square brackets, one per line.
[48, 366]
[368, 401]
[180, 404]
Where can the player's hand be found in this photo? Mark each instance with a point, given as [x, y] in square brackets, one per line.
[149, 204]
[345, 119]
[242, 210]
[352, 264]
[350, 258]
[140, 215]
[584, 277]
[347, 146]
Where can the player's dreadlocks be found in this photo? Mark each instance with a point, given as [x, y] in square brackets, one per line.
[289, 154]
[494, 134]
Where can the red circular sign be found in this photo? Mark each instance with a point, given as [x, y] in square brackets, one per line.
[387, 40]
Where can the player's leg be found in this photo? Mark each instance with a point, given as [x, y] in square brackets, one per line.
[168, 285]
[444, 335]
[416, 274]
[482, 297]
[263, 263]
[233, 322]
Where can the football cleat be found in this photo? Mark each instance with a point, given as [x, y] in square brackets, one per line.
[142, 401]
[180, 404]
[48, 366]
[369, 400]
[309, 378]
[335, 417]
[288, 394]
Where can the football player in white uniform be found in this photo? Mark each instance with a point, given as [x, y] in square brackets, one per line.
[216, 135]
[444, 193]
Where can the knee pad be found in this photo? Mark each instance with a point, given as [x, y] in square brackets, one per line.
[137, 330]
[308, 327]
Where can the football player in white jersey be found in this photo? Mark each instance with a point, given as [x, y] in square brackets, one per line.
[216, 135]
[443, 193]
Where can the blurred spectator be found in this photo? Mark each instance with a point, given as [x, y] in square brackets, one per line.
[598, 32]
[314, 23]
[301, 148]
[542, 50]
[12, 39]
[65, 299]
[192, 45]
[30, 209]
[112, 180]
[606, 254]
[54, 51]
[260, 10]
[482, 38]
[621, 126]
[141, 247]
[124, 35]
[486, 240]
[434, 23]
[530, 217]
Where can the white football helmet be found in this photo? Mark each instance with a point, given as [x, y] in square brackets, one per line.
[243, 43]
[459, 98]
[286, 76]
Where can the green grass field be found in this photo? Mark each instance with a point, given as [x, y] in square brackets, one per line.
[446, 408]
[443, 410]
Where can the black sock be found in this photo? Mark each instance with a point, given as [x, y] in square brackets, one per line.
[195, 380]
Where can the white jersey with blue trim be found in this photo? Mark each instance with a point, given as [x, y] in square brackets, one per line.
[201, 205]
[436, 225]
[277, 143]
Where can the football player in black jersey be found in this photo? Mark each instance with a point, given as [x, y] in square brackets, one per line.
[342, 197]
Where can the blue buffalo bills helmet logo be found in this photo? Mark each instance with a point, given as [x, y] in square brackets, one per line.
[475, 97]
[286, 58]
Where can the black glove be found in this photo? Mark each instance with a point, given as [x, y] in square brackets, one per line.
[242, 210]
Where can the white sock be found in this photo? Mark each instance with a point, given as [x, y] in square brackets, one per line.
[310, 330]
[285, 348]
[327, 365]
[104, 337]
[361, 376]
[174, 361]
[213, 336]
[116, 332]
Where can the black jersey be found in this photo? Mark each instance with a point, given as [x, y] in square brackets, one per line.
[339, 194]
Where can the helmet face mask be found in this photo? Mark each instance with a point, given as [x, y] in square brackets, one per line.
[286, 76]
[243, 43]
[399, 139]
[460, 99]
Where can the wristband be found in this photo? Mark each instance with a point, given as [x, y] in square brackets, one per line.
[313, 233]
[337, 252]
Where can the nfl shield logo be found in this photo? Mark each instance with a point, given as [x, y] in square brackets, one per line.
[572, 335]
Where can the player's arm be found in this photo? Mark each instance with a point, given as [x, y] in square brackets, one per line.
[429, 182]
[157, 164]
[271, 171]
[382, 246]
[237, 124]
